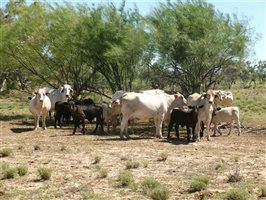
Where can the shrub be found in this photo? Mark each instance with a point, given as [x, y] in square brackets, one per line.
[97, 159]
[237, 194]
[233, 178]
[45, 173]
[148, 184]
[154, 189]
[5, 152]
[22, 170]
[198, 183]
[102, 173]
[163, 156]
[263, 192]
[9, 173]
[132, 164]
[159, 193]
[125, 178]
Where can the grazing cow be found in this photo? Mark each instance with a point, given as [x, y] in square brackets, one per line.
[205, 114]
[62, 110]
[61, 94]
[39, 105]
[228, 115]
[224, 98]
[89, 112]
[188, 118]
[147, 106]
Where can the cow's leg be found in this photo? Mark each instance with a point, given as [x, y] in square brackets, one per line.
[197, 129]
[83, 126]
[60, 120]
[193, 133]
[44, 113]
[231, 125]
[124, 124]
[55, 119]
[208, 130]
[177, 131]
[188, 133]
[159, 125]
[238, 127]
[201, 129]
[214, 129]
[76, 124]
[170, 126]
[36, 121]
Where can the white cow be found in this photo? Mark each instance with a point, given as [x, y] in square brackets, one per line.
[205, 113]
[148, 106]
[39, 105]
[224, 98]
[61, 94]
[228, 115]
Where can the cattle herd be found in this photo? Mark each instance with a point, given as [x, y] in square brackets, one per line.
[198, 112]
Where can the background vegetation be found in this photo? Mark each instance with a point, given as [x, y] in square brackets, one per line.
[186, 46]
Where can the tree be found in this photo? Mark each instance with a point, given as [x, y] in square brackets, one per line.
[114, 41]
[195, 43]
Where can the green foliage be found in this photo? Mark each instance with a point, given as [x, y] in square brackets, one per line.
[148, 184]
[44, 173]
[126, 178]
[130, 164]
[237, 194]
[159, 193]
[5, 152]
[9, 173]
[163, 156]
[198, 183]
[103, 172]
[22, 170]
[196, 43]
[263, 191]
[97, 159]
[154, 189]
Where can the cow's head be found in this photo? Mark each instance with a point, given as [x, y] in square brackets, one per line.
[40, 94]
[66, 90]
[182, 99]
[209, 96]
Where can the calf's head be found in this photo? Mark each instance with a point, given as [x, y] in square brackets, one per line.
[210, 96]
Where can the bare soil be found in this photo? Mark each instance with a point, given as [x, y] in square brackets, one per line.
[75, 175]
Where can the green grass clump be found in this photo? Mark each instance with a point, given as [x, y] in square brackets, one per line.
[237, 194]
[160, 193]
[97, 159]
[10, 173]
[5, 152]
[154, 189]
[45, 173]
[263, 192]
[102, 173]
[163, 156]
[22, 170]
[198, 183]
[125, 178]
[132, 164]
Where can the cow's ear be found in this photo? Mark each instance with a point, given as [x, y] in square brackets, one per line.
[62, 90]
[204, 95]
[47, 93]
[176, 96]
[190, 107]
[218, 108]
[216, 96]
[29, 98]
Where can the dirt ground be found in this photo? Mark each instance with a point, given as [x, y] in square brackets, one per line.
[75, 175]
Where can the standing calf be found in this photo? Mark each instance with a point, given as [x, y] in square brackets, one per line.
[62, 110]
[228, 115]
[89, 112]
[39, 105]
[184, 118]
